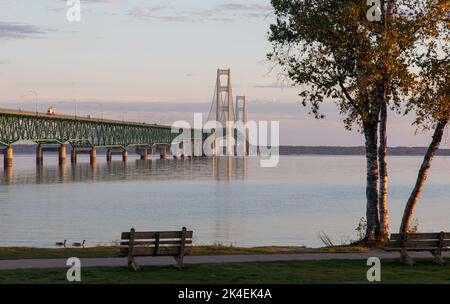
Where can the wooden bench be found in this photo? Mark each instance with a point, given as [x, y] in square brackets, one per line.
[435, 243]
[156, 243]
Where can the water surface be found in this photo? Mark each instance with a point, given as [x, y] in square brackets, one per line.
[224, 200]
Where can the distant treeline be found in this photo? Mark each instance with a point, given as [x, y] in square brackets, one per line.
[330, 150]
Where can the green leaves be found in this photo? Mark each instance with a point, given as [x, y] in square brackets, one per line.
[330, 47]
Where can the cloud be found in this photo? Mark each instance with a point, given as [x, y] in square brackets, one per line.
[146, 11]
[63, 5]
[105, 1]
[110, 1]
[11, 30]
[223, 12]
[95, 1]
[5, 62]
[255, 7]
[150, 12]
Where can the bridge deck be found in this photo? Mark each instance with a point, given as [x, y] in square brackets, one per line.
[16, 126]
[29, 114]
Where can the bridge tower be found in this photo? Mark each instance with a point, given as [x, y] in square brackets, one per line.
[241, 132]
[224, 107]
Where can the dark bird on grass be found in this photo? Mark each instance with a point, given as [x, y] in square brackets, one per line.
[61, 244]
[79, 244]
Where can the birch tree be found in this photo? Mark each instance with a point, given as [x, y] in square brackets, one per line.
[432, 105]
[334, 52]
[331, 50]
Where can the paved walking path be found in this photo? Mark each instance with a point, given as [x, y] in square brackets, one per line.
[165, 261]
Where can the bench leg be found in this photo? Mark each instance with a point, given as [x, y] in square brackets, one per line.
[135, 266]
[180, 261]
[130, 260]
[438, 258]
[132, 263]
[405, 258]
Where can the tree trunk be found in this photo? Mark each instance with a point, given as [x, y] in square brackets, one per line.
[388, 13]
[382, 159]
[370, 132]
[422, 177]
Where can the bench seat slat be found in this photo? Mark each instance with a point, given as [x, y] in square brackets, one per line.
[148, 243]
[420, 236]
[419, 244]
[414, 248]
[152, 235]
[148, 251]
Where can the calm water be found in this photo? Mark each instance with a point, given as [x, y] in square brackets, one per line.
[227, 201]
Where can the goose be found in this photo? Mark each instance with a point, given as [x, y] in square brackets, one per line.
[61, 244]
[76, 244]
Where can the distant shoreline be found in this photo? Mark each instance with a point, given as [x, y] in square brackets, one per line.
[337, 150]
[298, 150]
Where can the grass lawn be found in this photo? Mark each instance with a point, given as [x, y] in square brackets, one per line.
[8, 253]
[424, 272]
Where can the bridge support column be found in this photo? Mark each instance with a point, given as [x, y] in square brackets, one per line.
[62, 155]
[163, 153]
[73, 156]
[125, 155]
[216, 147]
[8, 157]
[144, 154]
[39, 155]
[8, 175]
[183, 155]
[108, 155]
[192, 148]
[175, 155]
[62, 173]
[93, 156]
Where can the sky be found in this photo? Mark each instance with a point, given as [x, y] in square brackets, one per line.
[156, 61]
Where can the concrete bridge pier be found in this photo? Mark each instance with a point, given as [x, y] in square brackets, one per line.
[93, 156]
[216, 147]
[163, 152]
[108, 155]
[144, 154]
[62, 155]
[8, 175]
[8, 157]
[125, 155]
[183, 154]
[73, 156]
[192, 149]
[62, 173]
[175, 155]
[39, 155]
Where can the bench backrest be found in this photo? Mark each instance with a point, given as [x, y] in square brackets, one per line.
[425, 241]
[154, 243]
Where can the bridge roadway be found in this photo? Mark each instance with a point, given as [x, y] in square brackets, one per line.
[84, 134]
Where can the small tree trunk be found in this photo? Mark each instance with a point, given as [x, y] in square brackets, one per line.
[388, 13]
[422, 177]
[373, 222]
[382, 159]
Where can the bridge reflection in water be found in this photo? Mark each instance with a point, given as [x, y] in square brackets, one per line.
[195, 192]
[217, 168]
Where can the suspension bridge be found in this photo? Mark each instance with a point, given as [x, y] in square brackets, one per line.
[86, 135]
